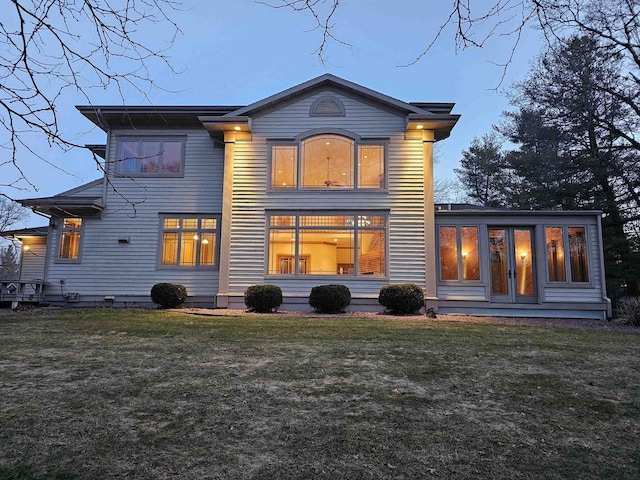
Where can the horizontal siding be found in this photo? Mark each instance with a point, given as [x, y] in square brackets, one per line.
[33, 261]
[462, 292]
[133, 206]
[404, 199]
[572, 295]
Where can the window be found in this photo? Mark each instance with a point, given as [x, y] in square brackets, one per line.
[70, 239]
[327, 244]
[189, 241]
[561, 267]
[151, 156]
[459, 258]
[328, 162]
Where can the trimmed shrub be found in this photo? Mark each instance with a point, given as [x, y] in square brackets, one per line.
[263, 298]
[401, 299]
[168, 295]
[330, 298]
[629, 309]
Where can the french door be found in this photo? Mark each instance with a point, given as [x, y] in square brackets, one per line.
[512, 265]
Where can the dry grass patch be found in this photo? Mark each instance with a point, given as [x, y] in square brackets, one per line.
[158, 394]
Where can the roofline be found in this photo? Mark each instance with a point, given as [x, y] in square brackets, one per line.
[327, 79]
[518, 213]
[79, 188]
[41, 231]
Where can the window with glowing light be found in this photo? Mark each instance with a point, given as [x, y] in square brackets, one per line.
[327, 244]
[567, 259]
[70, 239]
[189, 241]
[150, 156]
[459, 257]
[328, 161]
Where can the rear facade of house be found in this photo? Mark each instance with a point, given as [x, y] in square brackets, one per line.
[326, 182]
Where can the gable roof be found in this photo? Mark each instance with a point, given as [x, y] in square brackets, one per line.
[328, 80]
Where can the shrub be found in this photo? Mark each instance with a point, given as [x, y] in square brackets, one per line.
[263, 298]
[401, 299]
[168, 295]
[629, 309]
[330, 298]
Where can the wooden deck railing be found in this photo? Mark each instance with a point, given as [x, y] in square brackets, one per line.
[22, 290]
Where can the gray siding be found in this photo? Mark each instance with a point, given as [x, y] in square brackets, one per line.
[133, 205]
[33, 261]
[404, 199]
[549, 294]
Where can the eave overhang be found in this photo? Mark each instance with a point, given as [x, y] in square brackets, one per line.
[26, 233]
[65, 206]
[121, 116]
[440, 124]
[214, 124]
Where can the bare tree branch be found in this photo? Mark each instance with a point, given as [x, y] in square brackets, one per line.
[50, 46]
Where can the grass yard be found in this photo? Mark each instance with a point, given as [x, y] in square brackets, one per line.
[106, 393]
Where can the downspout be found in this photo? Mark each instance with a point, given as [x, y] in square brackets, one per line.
[603, 283]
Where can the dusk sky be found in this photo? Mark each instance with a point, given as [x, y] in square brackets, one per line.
[235, 53]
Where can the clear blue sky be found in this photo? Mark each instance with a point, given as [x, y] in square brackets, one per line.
[238, 52]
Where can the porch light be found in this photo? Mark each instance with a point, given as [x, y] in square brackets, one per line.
[195, 237]
[236, 128]
[464, 255]
[420, 127]
[523, 255]
[205, 241]
[26, 248]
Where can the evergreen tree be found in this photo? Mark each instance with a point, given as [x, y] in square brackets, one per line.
[482, 171]
[569, 156]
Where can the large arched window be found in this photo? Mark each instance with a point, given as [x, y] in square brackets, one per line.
[328, 161]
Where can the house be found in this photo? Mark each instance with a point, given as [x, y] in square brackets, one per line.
[326, 182]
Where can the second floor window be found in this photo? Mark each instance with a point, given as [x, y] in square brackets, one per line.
[328, 162]
[151, 156]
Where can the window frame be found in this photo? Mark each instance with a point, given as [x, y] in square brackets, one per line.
[459, 257]
[60, 226]
[357, 142]
[568, 282]
[297, 255]
[182, 216]
[149, 138]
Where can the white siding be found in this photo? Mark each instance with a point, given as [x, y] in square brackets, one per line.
[404, 199]
[133, 205]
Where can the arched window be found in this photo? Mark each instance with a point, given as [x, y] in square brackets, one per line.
[328, 161]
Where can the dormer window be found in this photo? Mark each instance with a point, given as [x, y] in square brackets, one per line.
[328, 161]
[151, 156]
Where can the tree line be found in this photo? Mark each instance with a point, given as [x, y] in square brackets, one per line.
[571, 142]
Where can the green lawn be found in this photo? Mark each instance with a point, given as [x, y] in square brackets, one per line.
[159, 394]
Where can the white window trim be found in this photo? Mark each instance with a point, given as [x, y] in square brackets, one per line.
[149, 138]
[357, 141]
[298, 213]
[197, 267]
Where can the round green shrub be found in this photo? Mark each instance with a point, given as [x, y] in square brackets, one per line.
[168, 295]
[401, 299]
[263, 298]
[330, 298]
